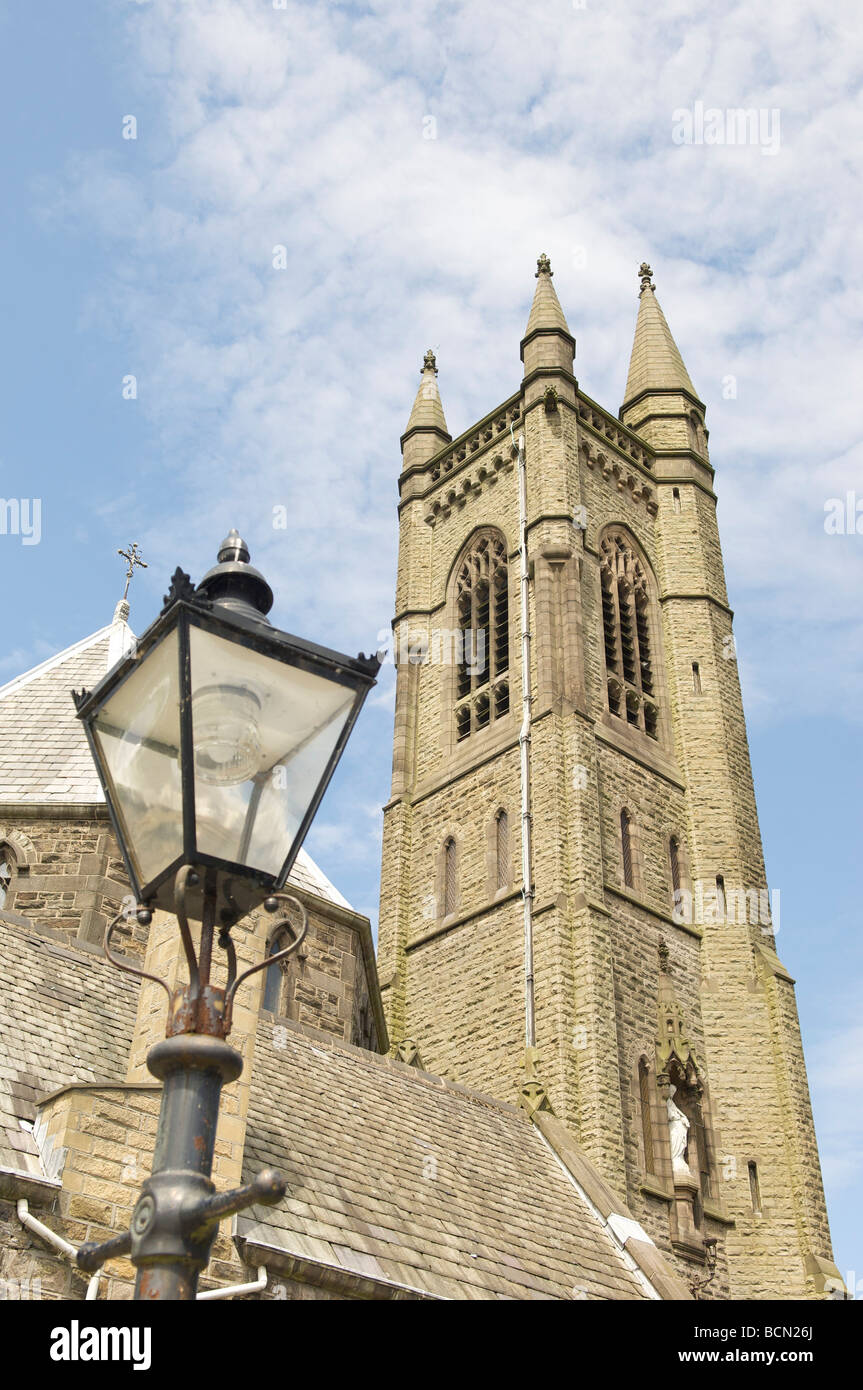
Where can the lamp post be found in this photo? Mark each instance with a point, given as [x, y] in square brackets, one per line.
[214, 741]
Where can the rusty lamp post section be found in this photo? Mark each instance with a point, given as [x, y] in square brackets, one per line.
[214, 741]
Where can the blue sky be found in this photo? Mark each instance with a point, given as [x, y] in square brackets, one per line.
[307, 127]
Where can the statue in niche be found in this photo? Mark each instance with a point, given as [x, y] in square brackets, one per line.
[678, 1127]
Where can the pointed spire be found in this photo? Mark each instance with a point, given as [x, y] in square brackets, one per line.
[545, 311]
[426, 430]
[656, 363]
[547, 340]
[427, 413]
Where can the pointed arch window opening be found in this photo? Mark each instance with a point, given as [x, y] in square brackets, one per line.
[482, 613]
[626, 634]
[277, 976]
[8, 865]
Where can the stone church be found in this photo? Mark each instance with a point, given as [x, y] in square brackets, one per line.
[574, 1068]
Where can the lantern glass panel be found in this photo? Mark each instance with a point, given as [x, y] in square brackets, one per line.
[137, 731]
[263, 733]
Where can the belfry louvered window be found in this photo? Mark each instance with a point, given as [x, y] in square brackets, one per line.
[626, 632]
[482, 613]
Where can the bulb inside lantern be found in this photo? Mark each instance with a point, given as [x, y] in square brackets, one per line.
[225, 733]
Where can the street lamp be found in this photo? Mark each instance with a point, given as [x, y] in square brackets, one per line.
[214, 741]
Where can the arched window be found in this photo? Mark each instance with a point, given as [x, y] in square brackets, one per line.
[626, 846]
[277, 984]
[450, 877]
[502, 848]
[8, 864]
[626, 629]
[482, 612]
[699, 434]
[646, 1116]
[674, 860]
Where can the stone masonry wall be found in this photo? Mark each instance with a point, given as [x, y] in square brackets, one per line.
[456, 986]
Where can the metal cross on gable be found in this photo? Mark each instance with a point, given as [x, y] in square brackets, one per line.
[132, 558]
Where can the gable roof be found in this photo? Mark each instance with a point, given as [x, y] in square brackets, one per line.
[400, 1184]
[44, 755]
[414, 1184]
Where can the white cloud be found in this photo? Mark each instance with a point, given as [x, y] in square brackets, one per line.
[304, 128]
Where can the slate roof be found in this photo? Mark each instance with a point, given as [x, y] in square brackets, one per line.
[410, 1182]
[44, 756]
[65, 1015]
[401, 1177]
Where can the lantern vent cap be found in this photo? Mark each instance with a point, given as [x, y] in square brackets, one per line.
[235, 584]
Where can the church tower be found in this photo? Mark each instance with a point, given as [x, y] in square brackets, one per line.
[597, 758]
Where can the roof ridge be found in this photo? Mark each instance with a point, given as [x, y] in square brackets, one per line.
[51, 662]
[365, 1056]
[314, 868]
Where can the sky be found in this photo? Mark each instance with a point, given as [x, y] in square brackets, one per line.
[230, 230]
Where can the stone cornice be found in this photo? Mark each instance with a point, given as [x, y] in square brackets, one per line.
[611, 430]
[54, 810]
[547, 333]
[450, 457]
[470, 484]
[625, 479]
[628, 896]
[698, 598]
[662, 391]
[650, 757]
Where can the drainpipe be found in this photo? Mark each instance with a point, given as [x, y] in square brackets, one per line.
[524, 749]
[232, 1290]
[70, 1251]
[52, 1238]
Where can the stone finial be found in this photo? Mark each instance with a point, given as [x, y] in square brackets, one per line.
[646, 283]
[543, 266]
[408, 1052]
[663, 956]
[532, 1094]
[430, 362]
